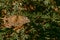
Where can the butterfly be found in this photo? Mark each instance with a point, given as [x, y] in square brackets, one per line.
[15, 21]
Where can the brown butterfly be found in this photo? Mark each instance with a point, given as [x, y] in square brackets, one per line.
[15, 21]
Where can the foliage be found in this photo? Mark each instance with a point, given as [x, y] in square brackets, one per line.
[44, 16]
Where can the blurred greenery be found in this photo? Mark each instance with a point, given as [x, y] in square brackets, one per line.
[44, 18]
